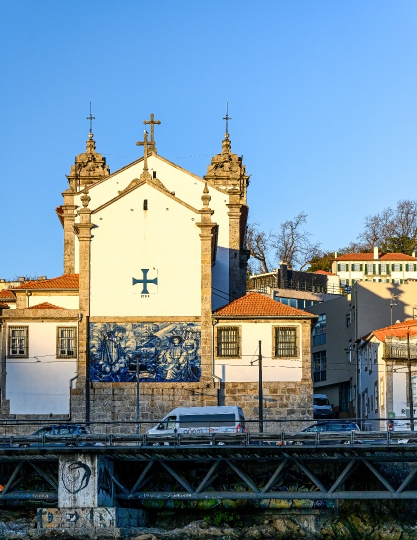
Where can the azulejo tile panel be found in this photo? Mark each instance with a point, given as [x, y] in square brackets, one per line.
[157, 352]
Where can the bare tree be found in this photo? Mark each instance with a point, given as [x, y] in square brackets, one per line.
[391, 223]
[259, 245]
[292, 243]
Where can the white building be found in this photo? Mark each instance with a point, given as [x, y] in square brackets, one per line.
[384, 373]
[149, 252]
[386, 268]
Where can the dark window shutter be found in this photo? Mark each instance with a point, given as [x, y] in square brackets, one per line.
[338, 267]
[401, 267]
[379, 269]
[360, 267]
[392, 267]
[374, 268]
[415, 268]
[401, 280]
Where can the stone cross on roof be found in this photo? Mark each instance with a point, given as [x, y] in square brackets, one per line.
[91, 118]
[152, 123]
[227, 117]
[145, 175]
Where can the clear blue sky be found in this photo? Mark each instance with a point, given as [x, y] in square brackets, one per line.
[323, 97]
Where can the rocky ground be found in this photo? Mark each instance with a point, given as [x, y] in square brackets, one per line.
[372, 521]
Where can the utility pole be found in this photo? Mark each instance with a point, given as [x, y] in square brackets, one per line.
[260, 389]
[261, 397]
[137, 394]
[410, 388]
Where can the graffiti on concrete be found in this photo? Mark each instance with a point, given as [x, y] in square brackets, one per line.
[105, 483]
[152, 352]
[75, 476]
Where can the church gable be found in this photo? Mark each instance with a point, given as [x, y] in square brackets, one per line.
[145, 256]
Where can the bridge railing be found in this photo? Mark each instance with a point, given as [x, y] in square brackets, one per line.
[289, 432]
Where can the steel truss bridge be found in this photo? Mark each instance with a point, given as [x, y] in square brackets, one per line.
[194, 470]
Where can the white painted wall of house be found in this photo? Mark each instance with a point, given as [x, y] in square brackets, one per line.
[40, 387]
[274, 369]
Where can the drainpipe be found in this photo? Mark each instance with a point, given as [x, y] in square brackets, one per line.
[213, 375]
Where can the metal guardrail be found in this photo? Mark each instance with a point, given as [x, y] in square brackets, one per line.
[386, 438]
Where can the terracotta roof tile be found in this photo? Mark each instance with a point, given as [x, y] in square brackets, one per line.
[45, 305]
[324, 273]
[257, 305]
[370, 257]
[396, 330]
[6, 294]
[67, 281]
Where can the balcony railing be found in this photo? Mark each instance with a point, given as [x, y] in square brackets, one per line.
[399, 351]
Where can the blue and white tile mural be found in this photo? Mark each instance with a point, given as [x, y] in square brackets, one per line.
[159, 352]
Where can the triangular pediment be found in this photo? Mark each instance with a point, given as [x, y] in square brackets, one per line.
[128, 191]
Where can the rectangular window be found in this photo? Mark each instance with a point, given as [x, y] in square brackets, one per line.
[369, 268]
[396, 267]
[66, 346]
[319, 366]
[356, 267]
[344, 397]
[348, 320]
[319, 331]
[381, 393]
[286, 341]
[342, 267]
[228, 342]
[383, 269]
[376, 396]
[18, 341]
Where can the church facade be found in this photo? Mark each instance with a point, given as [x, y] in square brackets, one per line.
[151, 253]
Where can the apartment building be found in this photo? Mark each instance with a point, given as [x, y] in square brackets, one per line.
[386, 268]
[340, 325]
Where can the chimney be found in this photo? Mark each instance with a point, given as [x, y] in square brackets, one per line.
[335, 254]
[413, 254]
[41, 278]
[22, 279]
[376, 254]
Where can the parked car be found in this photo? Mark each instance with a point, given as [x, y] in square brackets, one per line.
[333, 426]
[69, 431]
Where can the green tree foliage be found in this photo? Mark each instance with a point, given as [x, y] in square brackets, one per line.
[398, 244]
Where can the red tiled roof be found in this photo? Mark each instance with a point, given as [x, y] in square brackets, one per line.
[370, 257]
[324, 272]
[45, 305]
[397, 330]
[67, 281]
[257, 305]
[6, 294]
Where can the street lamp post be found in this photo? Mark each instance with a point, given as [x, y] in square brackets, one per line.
[393, 302]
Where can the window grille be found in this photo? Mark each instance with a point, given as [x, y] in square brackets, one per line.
[286, 342]
[66, 342]
[228, 341]
[18, 341]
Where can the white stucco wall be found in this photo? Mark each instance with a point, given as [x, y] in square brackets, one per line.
[188, 188]
[40, 387]
[274, 369]
[163, 239]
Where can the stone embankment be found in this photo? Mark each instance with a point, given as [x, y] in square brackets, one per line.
[359, 521]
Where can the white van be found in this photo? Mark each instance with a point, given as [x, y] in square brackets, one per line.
[322, 407]
[201, 420]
